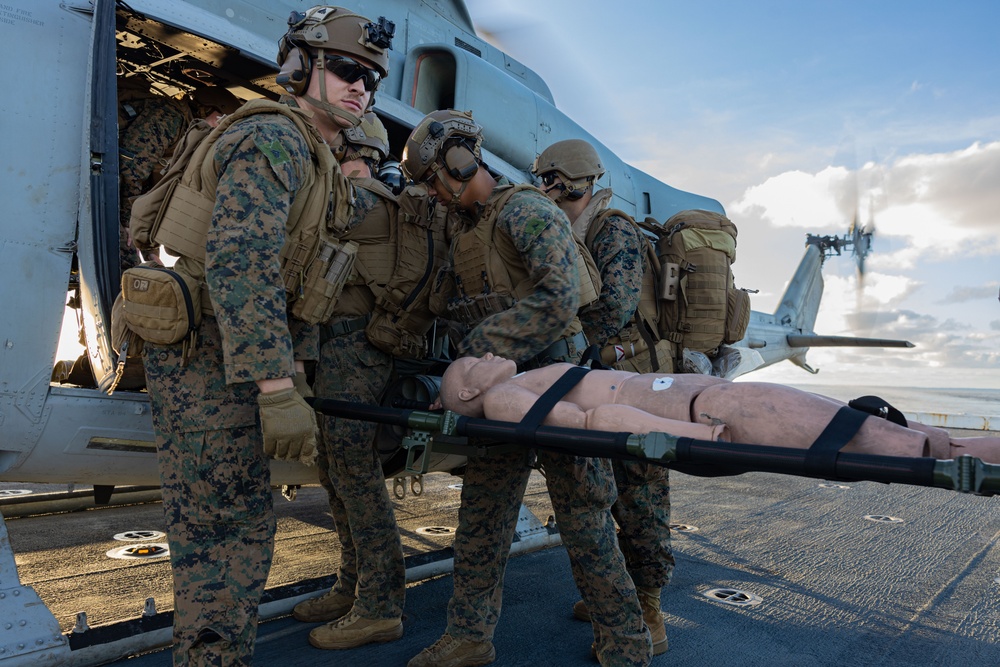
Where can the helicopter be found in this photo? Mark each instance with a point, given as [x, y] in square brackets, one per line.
[61, 232]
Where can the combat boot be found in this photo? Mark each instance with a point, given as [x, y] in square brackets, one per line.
[327, 607]
[649, 600]
[453, 652]
[353, 630]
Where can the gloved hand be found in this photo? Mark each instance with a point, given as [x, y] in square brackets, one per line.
[289, 426]
[302, 385]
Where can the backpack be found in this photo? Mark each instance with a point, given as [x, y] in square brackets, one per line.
[177, 212]
[402, 315]
[700, 306]
[147, 210]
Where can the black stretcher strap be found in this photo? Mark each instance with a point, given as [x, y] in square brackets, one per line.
[875, 405]
[543, 406]
[821, 457]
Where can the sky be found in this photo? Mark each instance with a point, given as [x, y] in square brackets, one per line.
[797, 115]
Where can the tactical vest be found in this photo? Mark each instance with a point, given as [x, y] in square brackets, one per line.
[414, 253]
[631, 348]
[315, 264]
[489, 274]
[698, 297]
[375, 237]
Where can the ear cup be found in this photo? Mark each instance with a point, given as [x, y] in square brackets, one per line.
[460, 162]
[294, 73]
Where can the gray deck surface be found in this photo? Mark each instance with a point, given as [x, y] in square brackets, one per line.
[835, 587]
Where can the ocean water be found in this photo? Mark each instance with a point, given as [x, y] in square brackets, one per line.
[947, 401]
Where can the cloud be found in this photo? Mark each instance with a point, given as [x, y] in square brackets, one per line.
[961, 294]
[938, 205]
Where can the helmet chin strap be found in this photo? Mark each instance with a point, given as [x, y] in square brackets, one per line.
[456, 195]
[332, 112]
[571, 193]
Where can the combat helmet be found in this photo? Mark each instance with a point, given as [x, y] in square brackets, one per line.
[369, 140]
[445, 138]
[323, 28]
[576, 162]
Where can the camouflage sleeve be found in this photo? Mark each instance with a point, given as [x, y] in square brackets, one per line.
[543, 238]
[305, 340]
[145, 142]
[261, 162]
[618, 254]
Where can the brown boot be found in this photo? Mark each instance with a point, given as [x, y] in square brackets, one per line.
[327, 607]
[580, 611]
[649, 600]
[353, 630]
[454, 652]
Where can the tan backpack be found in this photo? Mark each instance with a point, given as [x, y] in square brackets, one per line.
[699, 300]
[176, 213]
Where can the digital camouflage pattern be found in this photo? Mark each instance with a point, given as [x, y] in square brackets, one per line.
[643, 506]
[371, 565]
[617, 251]
[541, 236]
[643, 515]
[216, 481]
[261, 161]
[143, 146]
[582, 489]
[216, 499]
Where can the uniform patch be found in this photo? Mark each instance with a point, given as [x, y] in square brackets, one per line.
[619, 353]
[273, 150]
[534, 227]
[659, 384]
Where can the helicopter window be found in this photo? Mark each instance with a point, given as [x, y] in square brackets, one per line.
[647, 204]
[434, 83]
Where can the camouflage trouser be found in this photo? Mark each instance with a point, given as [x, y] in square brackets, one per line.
[216, 500]
[582, 492]
[643, 515]
[371, 566]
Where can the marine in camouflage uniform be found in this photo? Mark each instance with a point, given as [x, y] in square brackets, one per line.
[155, 124]
[642, 510]
[569, 170]
[643, 507]
[215, 477]
[582, 489]
[372, 576]
[236, 398]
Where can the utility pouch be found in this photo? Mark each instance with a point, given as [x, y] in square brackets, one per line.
[160, 305]
[737, 315]
[127, 344]
[392, 339]
[321, 282]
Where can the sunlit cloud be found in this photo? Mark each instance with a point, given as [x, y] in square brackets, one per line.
[962, 294]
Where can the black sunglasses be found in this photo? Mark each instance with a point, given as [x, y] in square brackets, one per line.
[548, 178]
[351, 70]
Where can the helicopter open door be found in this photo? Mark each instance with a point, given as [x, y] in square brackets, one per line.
[98, 263]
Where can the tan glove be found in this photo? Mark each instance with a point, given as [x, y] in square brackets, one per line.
[302, 385]
[289, 426]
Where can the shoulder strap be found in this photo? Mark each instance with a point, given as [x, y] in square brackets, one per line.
[543, 406]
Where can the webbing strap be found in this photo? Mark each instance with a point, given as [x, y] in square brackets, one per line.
[821, 457]
[534, 417]
[879, 407]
